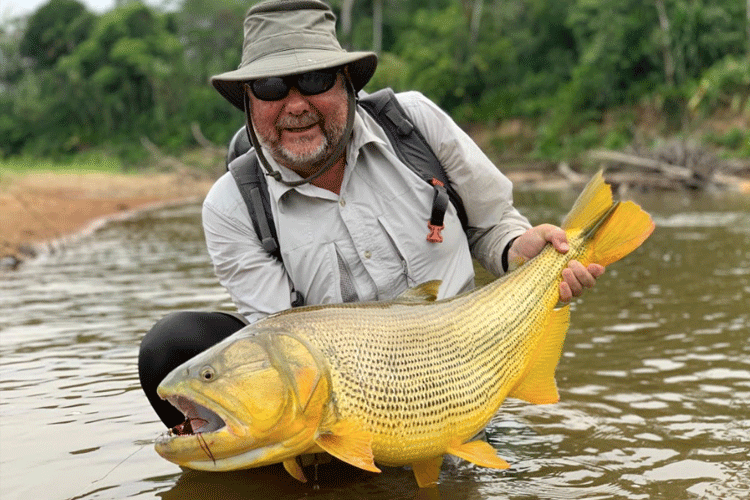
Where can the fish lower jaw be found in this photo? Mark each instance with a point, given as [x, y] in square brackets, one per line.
[200, 451]
[249, 459]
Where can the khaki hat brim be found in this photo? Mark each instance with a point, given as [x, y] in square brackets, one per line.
[362, 66]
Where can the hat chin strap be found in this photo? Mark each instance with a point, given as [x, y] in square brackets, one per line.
[335, 154]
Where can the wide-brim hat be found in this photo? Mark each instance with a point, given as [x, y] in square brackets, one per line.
[287, 37]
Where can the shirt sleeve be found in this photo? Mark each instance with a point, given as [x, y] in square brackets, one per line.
[486, 193]
[255, 280]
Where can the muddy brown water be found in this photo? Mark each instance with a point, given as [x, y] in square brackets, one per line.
[654, 379]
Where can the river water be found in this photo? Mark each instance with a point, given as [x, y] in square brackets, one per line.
[654, 379]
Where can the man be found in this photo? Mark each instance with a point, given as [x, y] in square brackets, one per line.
[349, 215]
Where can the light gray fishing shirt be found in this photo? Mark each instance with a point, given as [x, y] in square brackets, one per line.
[370, 241]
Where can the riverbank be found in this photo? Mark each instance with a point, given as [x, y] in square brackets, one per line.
[38, 209]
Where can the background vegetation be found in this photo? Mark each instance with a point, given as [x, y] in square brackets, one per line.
[546, 78]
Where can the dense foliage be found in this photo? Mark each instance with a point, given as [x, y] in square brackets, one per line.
[71, 80]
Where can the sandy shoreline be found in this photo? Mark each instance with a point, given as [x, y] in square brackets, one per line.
[39, 207]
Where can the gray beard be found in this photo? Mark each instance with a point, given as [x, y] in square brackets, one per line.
[306, 163]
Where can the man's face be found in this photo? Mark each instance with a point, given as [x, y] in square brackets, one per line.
[301, 131]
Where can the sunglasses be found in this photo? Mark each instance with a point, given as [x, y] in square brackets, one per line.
[276, 88]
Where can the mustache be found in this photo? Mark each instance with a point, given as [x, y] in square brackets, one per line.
[297, 121]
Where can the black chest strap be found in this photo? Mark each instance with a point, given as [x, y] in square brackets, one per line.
[413, 150]
[252, 185]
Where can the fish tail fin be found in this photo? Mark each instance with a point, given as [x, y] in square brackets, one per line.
[622, 232]
[613, 229]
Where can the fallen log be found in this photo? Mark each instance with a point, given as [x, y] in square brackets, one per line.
[670, 176]
[670, 171]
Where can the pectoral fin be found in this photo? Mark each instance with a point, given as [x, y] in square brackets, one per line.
[294, 469]
[427, 472]
[478, 452]
[538, 385]
[425, 292]
[348, 442]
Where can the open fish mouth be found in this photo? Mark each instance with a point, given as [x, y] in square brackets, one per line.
[198, 418]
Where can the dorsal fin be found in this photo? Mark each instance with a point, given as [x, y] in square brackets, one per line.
[425, 292]
[593, 202]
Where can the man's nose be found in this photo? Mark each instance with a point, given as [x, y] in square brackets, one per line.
[296, 103]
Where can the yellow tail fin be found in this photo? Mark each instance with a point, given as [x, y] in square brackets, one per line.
[623, 231]
[614, 230]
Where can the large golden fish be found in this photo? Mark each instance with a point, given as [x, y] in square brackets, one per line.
[397, 383]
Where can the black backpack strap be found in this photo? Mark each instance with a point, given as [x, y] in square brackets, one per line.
[414, 151]
[252, 184]
[239, 145]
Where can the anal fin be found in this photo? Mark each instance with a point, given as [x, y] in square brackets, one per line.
[427, 472]
[538, 385]
[347, 442]
[295, 470]
[478, 452]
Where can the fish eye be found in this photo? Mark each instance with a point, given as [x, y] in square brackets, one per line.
[208, 374]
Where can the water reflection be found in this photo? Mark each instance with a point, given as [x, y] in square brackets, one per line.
[274, 482]
[655, 377]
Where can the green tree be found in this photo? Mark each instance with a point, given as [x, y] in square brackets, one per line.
[74, 80]
[124, 78]
[702, 33]
[55, 30]
[211, 32]
[529, 52]
[11, 63]
[12, 133]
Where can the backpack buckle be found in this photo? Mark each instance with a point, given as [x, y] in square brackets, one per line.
[440, 203]
[434, 235]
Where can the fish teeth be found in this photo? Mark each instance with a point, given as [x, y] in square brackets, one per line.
[200, 417]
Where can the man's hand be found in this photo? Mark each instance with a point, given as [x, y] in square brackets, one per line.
[576, 277]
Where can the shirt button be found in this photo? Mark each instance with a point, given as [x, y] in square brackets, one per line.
[368, 254]
[342, 202]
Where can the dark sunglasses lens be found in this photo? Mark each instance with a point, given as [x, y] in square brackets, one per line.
[315, 82]
[270, 89]
[311, 83]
